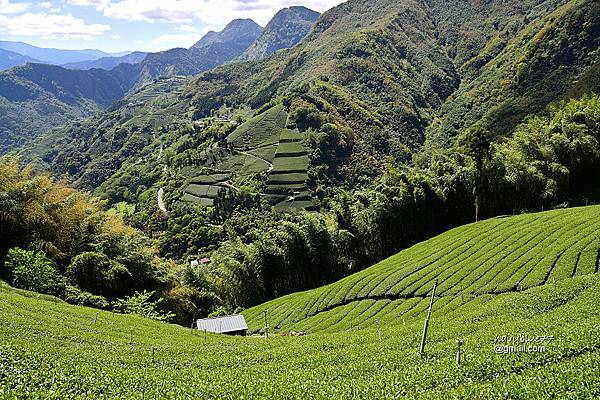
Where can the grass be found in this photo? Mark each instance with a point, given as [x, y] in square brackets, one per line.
[53, 350]
[262, 130]
[288, 178]
[282, 164]
[210, 179]
[206, 191]
[290, 149]
[472, 263]
[203, 201]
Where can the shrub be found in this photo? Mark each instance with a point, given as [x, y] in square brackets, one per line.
[74, 295]
[31, 270]
[140, 304]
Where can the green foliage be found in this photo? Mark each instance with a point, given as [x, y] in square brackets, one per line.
[56, 350]
[142, 305]
[471, 263]
[31, 270]
[74, 295]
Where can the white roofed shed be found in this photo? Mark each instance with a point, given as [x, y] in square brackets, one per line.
[230, 325]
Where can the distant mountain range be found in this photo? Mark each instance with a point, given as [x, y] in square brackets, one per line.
[55, 56]
[9, 59]
[109, 63]
[35, 98]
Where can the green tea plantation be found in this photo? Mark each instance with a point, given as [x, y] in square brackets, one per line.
[520, 292]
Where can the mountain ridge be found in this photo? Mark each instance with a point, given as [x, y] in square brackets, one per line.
[51, 55]
[108, 63]
[284, 30]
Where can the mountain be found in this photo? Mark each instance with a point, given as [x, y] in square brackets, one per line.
[213, 49]
[52, 56]
[36, 98]
[397, 75]
[9, 59]
[238, 34]
[386, 78]
[109, 63]
[288, 27]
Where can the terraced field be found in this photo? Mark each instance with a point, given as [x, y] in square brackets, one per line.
[262, 144]
[473, 264]
[204, 189]
[52, 350]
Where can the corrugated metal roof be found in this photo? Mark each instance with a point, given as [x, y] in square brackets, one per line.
[230, 323]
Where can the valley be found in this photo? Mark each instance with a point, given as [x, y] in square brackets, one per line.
[386, 199]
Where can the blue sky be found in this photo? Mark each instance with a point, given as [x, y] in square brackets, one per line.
[125, 25]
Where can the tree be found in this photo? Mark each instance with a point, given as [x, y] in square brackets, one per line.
[476, 144]
[31, 270]
[140, 304]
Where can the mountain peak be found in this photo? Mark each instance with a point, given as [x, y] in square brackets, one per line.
[288, 27]
[242, 23]
[239, 31]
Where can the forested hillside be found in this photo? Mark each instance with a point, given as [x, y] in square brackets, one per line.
[365, 122]
[37, 98]
[394, 71]
[258, 254]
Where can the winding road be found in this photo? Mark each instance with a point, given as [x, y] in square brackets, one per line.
[161, 203]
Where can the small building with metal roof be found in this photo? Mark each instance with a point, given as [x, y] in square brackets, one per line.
[229, 325]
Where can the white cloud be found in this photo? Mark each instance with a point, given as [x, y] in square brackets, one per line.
[217, 12]
[97, 4]
[186, 28]
[51, 26]
[6, 7]
[115, 37]
[45, 5]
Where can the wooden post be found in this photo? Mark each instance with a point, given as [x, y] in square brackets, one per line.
[153, 355]
[422, 349]
[205, 337]
[378, 329]
[266, 326]
[459, 343]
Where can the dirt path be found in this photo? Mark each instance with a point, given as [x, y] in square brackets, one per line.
[260, 158]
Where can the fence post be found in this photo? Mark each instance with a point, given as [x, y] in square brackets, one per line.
[266, 326]
[459, 343]
[422, 349]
